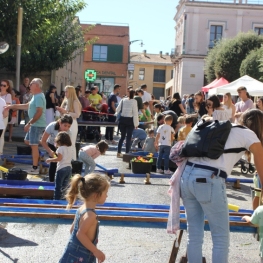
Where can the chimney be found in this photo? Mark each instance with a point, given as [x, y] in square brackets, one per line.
[161, 54]
[144, 52]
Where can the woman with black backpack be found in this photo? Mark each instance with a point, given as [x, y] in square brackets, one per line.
[203, 188]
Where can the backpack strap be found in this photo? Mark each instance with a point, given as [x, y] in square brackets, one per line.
[236, 150]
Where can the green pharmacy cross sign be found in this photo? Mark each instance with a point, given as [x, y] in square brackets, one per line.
[90, 75]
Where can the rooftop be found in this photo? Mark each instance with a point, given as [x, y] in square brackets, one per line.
[145, 58]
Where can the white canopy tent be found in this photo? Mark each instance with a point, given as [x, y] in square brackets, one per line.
[254, 87]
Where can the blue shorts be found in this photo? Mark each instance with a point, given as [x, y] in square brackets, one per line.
[34, 135]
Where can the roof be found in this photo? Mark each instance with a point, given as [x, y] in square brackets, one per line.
[140, 58]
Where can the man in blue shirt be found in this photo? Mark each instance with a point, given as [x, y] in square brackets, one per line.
[112, 105]
[138, 137]
[37, 120]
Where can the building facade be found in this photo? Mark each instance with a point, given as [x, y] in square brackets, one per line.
[199, 24]
[108, 56]
[154, 70]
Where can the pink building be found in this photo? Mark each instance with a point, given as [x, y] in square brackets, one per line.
[199, 24]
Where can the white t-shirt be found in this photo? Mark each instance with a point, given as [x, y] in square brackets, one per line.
[66, 153]
[7, 98]
[2, 104]
[146, 96]
[237, 138]
[220, 115]
[165, 134]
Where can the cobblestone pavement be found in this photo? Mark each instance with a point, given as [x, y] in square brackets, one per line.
[31, 243]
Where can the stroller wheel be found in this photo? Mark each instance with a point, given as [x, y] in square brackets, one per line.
[251, 169]
[244, 170]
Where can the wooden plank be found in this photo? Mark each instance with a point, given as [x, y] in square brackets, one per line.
[27, 192]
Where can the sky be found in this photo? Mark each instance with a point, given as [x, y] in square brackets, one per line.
[149, 20]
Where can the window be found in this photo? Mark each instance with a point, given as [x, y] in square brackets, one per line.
[159, 75]
[215, 35]
[109, 53]
[141, 73]
[158, 92]
[172, 74]
[259, 30]
[130, 74]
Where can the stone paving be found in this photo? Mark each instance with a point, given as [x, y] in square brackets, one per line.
[31, 243]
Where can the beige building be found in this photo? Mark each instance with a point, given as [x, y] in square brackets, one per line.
[154, 70]
[199, 24]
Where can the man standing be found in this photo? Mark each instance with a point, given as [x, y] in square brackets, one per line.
[244, 104]
[146, 96]
[37, 120]
[22, 90]
[112, 105]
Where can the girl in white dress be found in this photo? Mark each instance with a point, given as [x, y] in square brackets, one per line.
[229, 106]
[215, 110]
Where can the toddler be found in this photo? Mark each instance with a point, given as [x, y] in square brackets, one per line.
[163, 141]
[63, 158]
[88, 153]
[158, 111]
[149, 142]
[183, 132]
[81, 248]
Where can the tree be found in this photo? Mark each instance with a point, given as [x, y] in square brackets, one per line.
[51, 33]
[230, 53]
[251, 64]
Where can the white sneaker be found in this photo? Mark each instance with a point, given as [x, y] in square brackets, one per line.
[160, 171]
[32, 171]
[168, 172]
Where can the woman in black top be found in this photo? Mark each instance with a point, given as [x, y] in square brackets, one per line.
[176, 105]
[50, 104]
[200, 105]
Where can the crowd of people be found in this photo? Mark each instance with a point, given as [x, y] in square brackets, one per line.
[144, 123]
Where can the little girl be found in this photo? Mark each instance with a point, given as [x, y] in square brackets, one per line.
[149, 142]
[63, 159]
[81, 248]
[48, 139]
[88, 153]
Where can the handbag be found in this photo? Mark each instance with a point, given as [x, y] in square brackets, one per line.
[119, 114]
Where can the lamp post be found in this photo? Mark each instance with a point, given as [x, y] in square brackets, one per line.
[136, 41]
[103, 80]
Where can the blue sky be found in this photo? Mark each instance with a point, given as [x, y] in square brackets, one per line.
[149, 20]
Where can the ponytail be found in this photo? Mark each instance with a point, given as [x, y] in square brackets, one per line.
[73, 191]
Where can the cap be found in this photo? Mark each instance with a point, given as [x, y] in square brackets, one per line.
[117, 86]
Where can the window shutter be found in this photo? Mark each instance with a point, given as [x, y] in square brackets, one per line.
[115, 53]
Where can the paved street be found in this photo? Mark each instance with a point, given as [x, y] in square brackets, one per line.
[31, 243]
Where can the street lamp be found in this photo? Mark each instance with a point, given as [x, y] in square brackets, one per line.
[136, 41]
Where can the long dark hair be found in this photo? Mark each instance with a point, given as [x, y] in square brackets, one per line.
[8, 90]
[215, 100]
[131, 93]
[66, 118]
[176, 96]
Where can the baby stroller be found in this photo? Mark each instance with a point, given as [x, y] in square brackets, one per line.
[91, 114]
[245, 166]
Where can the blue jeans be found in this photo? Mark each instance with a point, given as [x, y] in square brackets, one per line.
[164, 152]
[209, 199]
[61, 181]
[89, 162]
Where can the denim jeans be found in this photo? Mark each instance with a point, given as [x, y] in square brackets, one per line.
[205, 199]
[34, 135]
[61, 181]
[88, 161]
[164, 152]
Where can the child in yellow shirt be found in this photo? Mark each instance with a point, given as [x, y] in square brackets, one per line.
[183, 132]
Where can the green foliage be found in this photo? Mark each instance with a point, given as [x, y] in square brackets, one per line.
[229, 55]
[51, 35]
[251, 64]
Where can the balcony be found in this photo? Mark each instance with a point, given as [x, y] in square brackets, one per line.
[175, 53]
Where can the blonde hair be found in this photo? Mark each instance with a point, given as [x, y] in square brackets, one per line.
[228, 103]
[181, 120]
[84, 187]
[69, 102]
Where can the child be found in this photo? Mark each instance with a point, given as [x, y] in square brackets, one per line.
[63, 159]
[158, 111]
[48, 139]
[183, 132]
[257, 219]
[88, 153]
[164, 139]
[181, 121]
[147, 113]
[81, 248]
[149, 142]
[138, 137]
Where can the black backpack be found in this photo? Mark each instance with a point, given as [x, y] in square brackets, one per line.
[208, 139]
